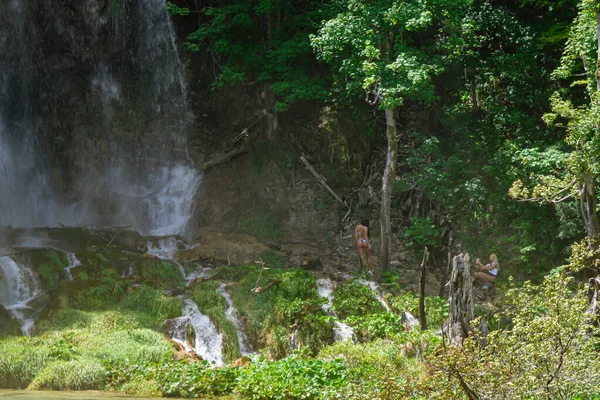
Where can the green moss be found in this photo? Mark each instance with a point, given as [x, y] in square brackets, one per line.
[155, 270]
[153, 303]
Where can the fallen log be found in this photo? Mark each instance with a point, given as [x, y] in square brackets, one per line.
[223, 158]
[267, 286]
[321, 180]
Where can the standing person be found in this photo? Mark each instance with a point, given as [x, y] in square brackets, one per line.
[491, 271]
[362, 244]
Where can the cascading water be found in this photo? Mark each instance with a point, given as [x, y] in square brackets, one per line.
[18, 286]
[208, 341]
[341, 332]
[73, 262]
[232, 315]
[98, 134]
[94, 123]
[373, 286]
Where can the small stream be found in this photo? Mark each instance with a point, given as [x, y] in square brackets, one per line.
[208, 342]
[232, 315]
[341, 331]
[18, 287]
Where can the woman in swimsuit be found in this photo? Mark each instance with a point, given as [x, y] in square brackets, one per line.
[362, 243]
[491, 270]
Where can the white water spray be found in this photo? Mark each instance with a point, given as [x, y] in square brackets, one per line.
[73, 262]
[373, 286]
[208, 340]
[232, 315]
[18, 286]
[341, 331]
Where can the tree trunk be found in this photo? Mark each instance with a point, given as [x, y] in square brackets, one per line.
[460, 300]
[448, 263]
[422, 275]
[389, 176]
[271, 115]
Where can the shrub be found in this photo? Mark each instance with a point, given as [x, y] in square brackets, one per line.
[152, 302]
[549, 352]
[436, 308]
[172, 378]
[376, 370]
[81, 374]
[21, 359]
[353, 298]
[290, 378]
[135, 345]
[160, 270]
[375, 326]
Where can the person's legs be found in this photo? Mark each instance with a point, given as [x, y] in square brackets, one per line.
[367, 250]
[361, 254]
[485, 278]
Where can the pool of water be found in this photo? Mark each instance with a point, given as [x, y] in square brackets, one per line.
[84, 395]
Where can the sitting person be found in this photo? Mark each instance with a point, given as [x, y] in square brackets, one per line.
[491, 271]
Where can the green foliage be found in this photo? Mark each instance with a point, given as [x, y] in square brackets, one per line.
[423, 232]
[22, 359]
[101, 294]
[353, 298]
[82, 374]
[291, 378]
[375, 326]
[372, 47]
[160, 270]
[152, 301]
[172, 379]
[276, 53]
[436, 308]
[273, 258]
[380, 369]
[549, 351]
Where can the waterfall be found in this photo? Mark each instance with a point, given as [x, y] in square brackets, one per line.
[18, 286]
[73, 262]
[208, 342]
[98, 134]
[232, 315]
[341, 331]
[373, 286]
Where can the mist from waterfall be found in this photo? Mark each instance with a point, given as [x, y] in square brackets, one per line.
[97, 136]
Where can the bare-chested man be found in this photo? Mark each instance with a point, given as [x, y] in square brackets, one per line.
[362, 243]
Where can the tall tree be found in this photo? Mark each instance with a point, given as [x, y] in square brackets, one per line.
[388, 50]
[576, 109]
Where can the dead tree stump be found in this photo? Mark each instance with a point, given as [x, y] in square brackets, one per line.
[460, 299]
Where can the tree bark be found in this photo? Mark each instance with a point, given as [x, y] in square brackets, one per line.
[460, 299]
[448, 264]
[389, 176]
[422, 275]
[271, 114]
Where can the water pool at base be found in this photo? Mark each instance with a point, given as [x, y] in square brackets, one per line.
[59, 395]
